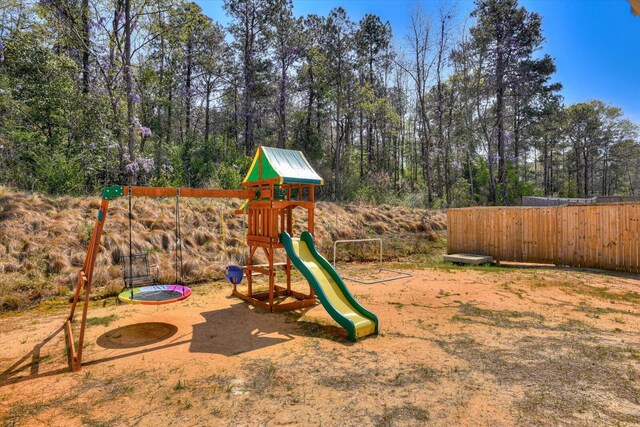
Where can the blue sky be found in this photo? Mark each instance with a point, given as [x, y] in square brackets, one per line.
[595, 43]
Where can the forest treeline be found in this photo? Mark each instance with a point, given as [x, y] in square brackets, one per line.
[458, 111]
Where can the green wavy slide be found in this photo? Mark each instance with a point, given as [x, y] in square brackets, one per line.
[329, 287]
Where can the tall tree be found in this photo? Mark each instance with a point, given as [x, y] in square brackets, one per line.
[372, 40]
[339, 29]
[249, 26]
[419, 40]
[508, 34]
[287, 46]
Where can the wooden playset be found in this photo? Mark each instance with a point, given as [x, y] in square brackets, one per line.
[278, 182]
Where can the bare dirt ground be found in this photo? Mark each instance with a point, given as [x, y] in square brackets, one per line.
[481, 346]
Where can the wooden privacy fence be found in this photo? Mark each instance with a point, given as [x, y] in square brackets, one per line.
[597, 236]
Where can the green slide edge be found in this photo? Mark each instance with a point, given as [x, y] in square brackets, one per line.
[347, 324]
[308, 239]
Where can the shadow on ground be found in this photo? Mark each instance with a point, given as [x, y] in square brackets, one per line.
[136, 335]
[30, 362]
[230, 331]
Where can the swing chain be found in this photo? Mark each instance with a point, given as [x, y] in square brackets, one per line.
[178, 248]
[130, 284]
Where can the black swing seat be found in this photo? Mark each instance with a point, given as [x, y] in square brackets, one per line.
[136, 270]
[141, 286]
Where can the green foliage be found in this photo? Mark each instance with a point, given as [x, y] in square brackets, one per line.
[375, 188]
[101, 321]
[229, 177]
[45, 119]
[57, 174]
[461, 194]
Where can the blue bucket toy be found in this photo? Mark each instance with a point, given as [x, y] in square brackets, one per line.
[234, 274]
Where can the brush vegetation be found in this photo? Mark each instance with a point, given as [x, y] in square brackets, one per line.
[44, 239]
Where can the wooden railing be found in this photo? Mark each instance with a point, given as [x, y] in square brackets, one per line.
[599, 236]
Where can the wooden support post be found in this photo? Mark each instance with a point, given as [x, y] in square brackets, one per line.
[84, 282]
[282, 215]
[311, 211]
[288, 271]
[252, 251]
[269, 253]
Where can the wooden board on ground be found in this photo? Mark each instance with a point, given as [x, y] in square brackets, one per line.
[471, 259]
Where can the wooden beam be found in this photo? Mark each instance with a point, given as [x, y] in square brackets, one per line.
[188, 192]
[261, 182]
[212, 193]
[251, 300]
[71, 345]
[294, 305]
[262, 270]
[85, 277]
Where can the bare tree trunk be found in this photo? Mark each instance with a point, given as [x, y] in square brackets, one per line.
[207, 111]
[336, 165]
[129, 85]
[86, 42]
[282, 113]
[249, 39]
[188, 88]
[500, 128]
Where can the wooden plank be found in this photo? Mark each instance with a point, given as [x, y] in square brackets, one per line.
[215, 193]
[619, 238]
[506, 230]
[606, 238]
[137, 191]
[576, 236]
[470, 259]
[635, 236]
[626, 242]
[613, 243]
[634, 223]
[580, 235]
[526, 252]
[591, 258]
[450, 227]
[568, 236]
[540, 238]
[633, 242]
[562, 244]
[597, 243]
[553, 234]
[558, 237]
[251, 300]
[72, 347]
[633, 239]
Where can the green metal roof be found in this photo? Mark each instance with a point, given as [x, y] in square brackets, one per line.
[290, 166]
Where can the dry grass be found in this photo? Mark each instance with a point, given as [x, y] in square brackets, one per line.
[43, 240]
[401, 415]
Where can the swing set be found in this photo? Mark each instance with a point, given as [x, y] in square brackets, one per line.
[278, 181]
[141, 285]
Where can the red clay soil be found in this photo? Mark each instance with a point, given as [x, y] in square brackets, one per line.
[461, 347]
